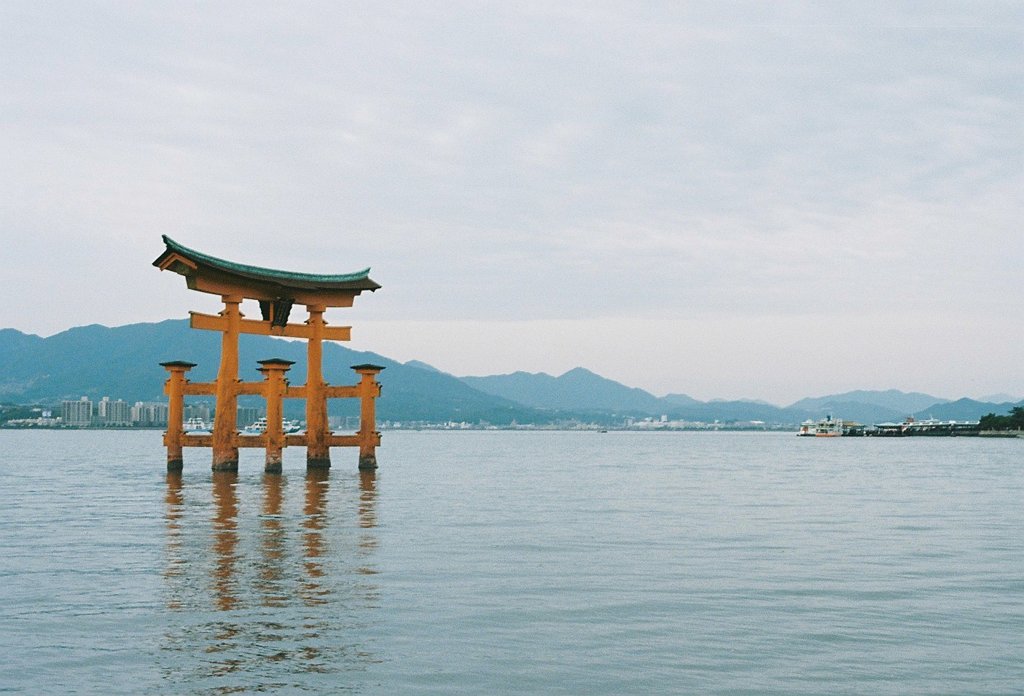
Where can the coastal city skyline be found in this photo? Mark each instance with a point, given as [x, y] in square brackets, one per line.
[727, 201]
[45, 372]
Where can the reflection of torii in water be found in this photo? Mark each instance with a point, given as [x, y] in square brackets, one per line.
[277, 292]
[245, 566]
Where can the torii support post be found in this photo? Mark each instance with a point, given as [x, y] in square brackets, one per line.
[318, 451]
[273, 391]
[369, 438]
[225, 420]
[174, 387]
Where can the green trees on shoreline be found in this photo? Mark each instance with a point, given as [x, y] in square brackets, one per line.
[1014, 420]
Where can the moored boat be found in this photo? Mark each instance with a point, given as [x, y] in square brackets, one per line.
[826, 427]
[195, 426]
[260, 427]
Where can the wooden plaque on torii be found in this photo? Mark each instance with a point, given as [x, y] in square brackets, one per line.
[277, 293]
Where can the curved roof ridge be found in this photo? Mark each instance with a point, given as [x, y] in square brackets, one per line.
[260, 271]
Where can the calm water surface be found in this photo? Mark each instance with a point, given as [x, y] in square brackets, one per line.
[503, 562]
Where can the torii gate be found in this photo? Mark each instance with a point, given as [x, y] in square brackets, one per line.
[277, 292]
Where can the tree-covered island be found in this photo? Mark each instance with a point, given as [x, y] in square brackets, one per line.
[1014, 420]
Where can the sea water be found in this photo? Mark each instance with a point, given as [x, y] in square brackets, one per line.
[516, 562]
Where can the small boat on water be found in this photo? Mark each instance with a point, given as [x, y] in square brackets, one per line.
[826, 427]
[195, 426]
[260, 427]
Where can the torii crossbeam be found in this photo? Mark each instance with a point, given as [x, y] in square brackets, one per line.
[277, 293]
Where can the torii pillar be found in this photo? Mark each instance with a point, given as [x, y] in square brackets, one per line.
[175, 390]
[273, 370]
[225, 418]
[369, 438]
[318, 451]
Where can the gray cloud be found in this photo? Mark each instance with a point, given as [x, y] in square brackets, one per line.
[520, 162]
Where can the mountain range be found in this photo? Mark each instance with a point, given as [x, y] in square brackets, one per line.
[122, 362]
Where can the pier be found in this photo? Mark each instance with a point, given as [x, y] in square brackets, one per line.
[929, 428]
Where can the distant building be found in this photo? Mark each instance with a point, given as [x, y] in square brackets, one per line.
[101, 409]
[199, 410]
[118, 413]
[112, 412]
[77, 413]
[247, 415]
[149, 413]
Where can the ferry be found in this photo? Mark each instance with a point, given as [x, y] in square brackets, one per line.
[826, 427]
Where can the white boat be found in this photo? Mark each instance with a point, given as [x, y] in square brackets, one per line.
[195, 426]
[260, 427]
[826, 427]
[829, 428]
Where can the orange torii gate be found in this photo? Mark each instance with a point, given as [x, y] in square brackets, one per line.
[277, 292]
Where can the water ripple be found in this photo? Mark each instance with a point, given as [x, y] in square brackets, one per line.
[516, 563]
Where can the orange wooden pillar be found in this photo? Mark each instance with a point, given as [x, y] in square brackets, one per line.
[368, 389]
[225, 421]
[318, 451]
[273, 391]
[174, 387]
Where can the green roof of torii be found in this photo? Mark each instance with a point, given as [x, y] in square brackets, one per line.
[359, 280]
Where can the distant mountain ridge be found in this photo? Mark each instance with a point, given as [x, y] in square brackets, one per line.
[578, 389]
[891, 399]
[965, 409]
[122, 362]
[584, 391]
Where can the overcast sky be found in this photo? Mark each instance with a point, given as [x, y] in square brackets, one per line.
[725, 199]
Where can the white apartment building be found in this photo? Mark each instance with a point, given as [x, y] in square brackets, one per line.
[77, 413]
